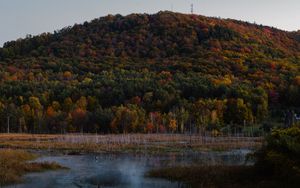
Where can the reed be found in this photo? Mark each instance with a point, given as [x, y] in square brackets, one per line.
[146, 143]
[219, 176]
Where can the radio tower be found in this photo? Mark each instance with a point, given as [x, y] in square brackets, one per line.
[192, 8]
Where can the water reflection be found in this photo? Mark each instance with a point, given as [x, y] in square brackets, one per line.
[108, 170]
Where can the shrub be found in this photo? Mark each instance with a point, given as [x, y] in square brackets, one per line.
[280, 156]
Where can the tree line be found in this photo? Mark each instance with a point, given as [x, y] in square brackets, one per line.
[128, 101]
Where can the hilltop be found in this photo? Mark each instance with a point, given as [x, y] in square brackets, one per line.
[161, 35]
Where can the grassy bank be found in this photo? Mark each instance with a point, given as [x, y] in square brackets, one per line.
[14, 164]
[135, 143]
[221, 176]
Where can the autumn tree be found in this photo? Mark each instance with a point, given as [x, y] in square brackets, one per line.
[37, 113]
[128, 119]
[173, 125]
[79, 118]
[237, 112]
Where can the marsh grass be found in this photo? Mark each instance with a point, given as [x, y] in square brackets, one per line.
[220, 176]
[15, 163]
[137, 143]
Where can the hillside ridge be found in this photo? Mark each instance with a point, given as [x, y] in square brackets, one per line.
[143, 35]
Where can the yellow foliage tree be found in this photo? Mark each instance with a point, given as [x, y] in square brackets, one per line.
[173, 125]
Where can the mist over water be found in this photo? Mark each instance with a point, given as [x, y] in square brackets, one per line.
[108, 170]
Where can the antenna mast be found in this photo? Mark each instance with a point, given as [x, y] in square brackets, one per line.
[192, 8]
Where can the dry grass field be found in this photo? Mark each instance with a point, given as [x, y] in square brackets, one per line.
[149, 143]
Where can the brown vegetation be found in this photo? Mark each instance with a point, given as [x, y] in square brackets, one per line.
[14, 164]
[146, 143]
[219, 176]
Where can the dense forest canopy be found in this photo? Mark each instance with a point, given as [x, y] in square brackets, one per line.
[166, 72]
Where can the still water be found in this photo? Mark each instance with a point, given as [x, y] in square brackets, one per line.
[122, 170]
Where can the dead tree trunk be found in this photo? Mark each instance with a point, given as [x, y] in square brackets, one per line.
[8, 119]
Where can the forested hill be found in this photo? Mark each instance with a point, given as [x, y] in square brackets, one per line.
[166, 63]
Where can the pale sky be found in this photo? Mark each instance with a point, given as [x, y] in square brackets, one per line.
[21, 17]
